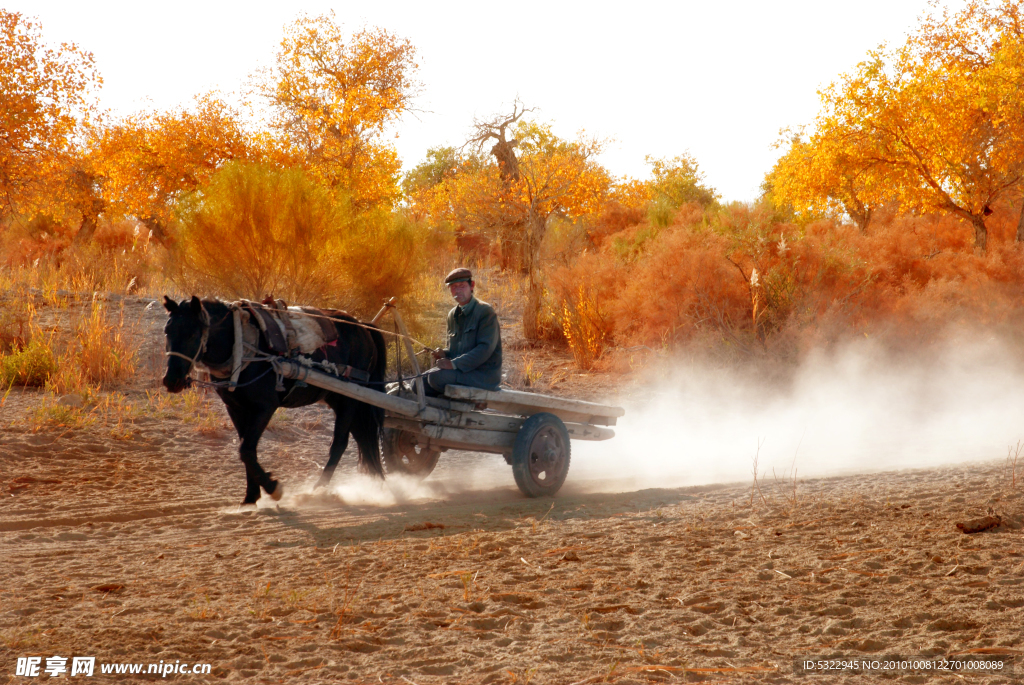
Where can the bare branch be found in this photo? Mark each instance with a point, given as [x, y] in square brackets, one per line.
[495, 127]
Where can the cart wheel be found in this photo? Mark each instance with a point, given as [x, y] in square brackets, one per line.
[540, 457]
[403, 455]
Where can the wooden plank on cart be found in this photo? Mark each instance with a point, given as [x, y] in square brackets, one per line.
[479, 423]
[434, 436]
[528, 404]
[585, 431]
[398, 405]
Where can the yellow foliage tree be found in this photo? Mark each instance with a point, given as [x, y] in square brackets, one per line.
[44, 99]
[679, 180]
[147, 161]
[936, 124]
[334, 97]
[832, 172]
[631, 193]
[254, 230]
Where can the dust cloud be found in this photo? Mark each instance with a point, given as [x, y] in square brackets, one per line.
[858, 410]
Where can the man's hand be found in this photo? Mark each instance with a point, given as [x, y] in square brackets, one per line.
[437, 354]
[445, 363]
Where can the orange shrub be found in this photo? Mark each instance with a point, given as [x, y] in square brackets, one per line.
[581, 326]
[761, 284]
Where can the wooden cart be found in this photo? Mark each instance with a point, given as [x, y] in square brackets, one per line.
[531, 431]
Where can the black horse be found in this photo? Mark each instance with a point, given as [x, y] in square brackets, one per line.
[203, 331]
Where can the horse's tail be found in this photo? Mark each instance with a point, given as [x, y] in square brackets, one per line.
[377, 372]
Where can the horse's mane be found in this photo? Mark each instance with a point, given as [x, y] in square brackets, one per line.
[216, 309]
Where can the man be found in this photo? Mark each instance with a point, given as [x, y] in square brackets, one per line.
[473, 354]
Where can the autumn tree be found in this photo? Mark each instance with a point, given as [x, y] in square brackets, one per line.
[440, 164]
[44, 99]
[502, 218]
[332, 98]
[275, 230]
[530, 177]
[936, 124]
[679, 180]
[558, 178]
[988, 39]
[832, 172]
[146, 161]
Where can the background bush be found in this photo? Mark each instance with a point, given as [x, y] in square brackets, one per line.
[256, 230]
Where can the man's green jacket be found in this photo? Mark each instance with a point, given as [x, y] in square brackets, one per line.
[474, 340]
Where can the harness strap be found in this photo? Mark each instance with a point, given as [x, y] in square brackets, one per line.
[236, 350]
[356, 374]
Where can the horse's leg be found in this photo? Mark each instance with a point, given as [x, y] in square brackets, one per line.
[250, 426]
[241, 419]
[343, 414]
[367, 434]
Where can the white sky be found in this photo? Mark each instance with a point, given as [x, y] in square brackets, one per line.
[716, 79]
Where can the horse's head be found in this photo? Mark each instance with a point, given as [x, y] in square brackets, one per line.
[186, 330]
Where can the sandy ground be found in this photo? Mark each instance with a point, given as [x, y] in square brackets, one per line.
[134, 551]
[127, 544]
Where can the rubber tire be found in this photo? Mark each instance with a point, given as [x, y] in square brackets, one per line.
[395, 463]
[544, 426]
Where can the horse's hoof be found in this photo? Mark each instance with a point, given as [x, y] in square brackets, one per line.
[278, 492]
[247, 503]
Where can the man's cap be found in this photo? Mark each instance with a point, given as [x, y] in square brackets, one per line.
[458, 275]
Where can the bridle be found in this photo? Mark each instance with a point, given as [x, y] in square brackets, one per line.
[204, 321]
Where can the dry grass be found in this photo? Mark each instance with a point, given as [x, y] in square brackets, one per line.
[128, 266]
[16, 315]
[581, 326]
[755, 488]
[194, 406]
[99, 351]
[103, 349]
[117, 414]
[1012, 454]
[54, 414]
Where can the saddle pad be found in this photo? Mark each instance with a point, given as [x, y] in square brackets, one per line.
[304, 332]
[327, 327]
[290, 329]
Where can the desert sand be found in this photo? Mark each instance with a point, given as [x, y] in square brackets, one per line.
[126, 543]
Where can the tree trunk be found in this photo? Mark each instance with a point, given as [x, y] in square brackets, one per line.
[980, 233]
[88, 203]
[157, 227]
[860, 214]
[511, 242]
[90, 208]
[508, 165]
[533, 237]
[87, 229]
[1020, 223]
